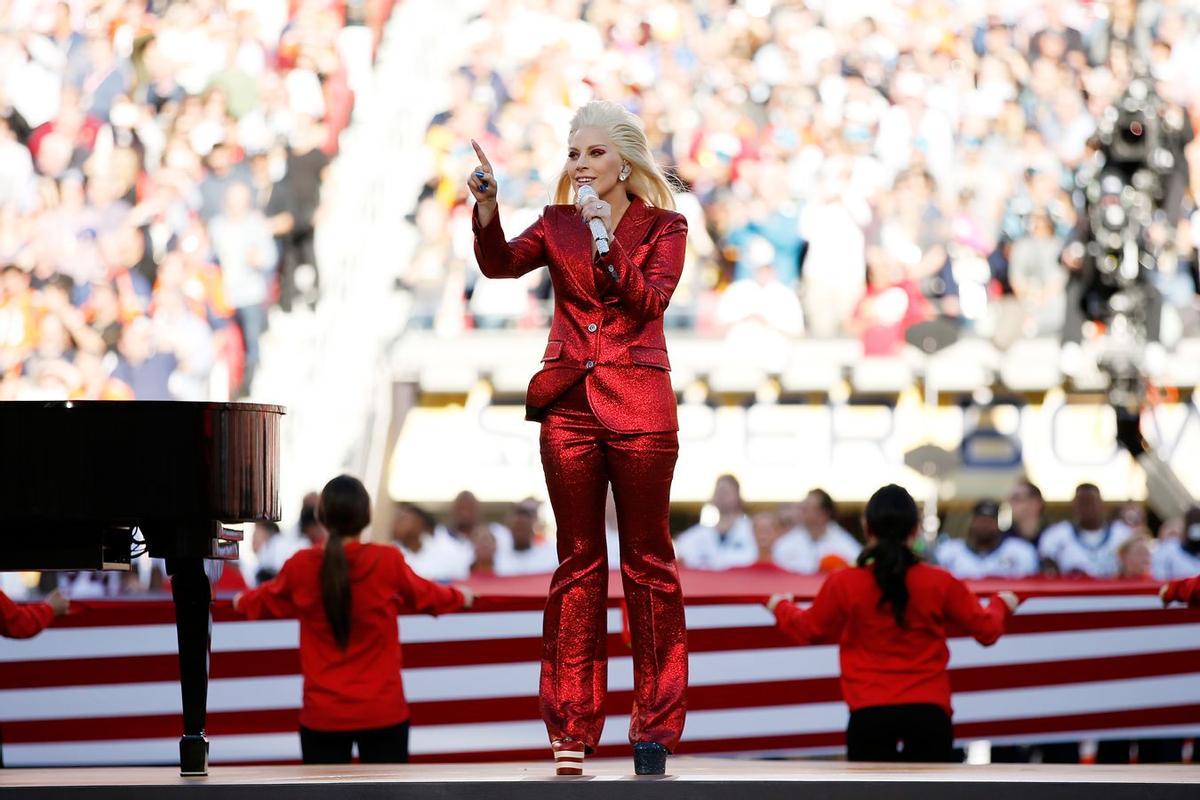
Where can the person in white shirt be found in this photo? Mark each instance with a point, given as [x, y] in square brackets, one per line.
[267, 544]
[835, 264]
[761, 317]
[723, 542]
[818, 543]
[986, 552]
[527, 556]
[1085, 544]
[430, 557]
[1178, 552]
[463, 526]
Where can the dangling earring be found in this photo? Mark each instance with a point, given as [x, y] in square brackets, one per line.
[625, 172]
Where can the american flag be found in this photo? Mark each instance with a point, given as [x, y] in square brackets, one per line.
[1081, 660]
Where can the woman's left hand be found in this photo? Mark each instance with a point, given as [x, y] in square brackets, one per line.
[597, 209]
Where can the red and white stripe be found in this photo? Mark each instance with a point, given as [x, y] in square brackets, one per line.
[103, 688]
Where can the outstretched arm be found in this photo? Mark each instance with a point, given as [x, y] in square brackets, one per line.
[985, 624]
[23, 622]
[1185, 590]
[820, 622]
[271, 600]
[425, 596]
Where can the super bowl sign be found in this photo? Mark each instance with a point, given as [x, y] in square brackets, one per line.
[780, 451]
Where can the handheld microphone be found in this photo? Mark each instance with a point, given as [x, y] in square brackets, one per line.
[599, 232]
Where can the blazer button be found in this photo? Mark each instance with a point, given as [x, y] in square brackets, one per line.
[612, 270]
[592, 328]
[590, 364]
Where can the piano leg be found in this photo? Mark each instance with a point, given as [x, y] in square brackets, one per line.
[193, 624]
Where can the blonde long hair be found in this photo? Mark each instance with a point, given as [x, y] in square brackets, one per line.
[646, 178]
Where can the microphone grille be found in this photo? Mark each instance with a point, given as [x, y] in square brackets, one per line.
[586, 192]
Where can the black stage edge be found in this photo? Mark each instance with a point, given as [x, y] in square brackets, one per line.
[693, 779]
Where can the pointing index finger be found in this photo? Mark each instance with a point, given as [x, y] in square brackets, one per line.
[482, 158]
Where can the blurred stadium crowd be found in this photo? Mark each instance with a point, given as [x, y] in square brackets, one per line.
[847, 169]
[160, 172]
[1015, 538]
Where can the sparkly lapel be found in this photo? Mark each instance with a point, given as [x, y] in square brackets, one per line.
[631, 230]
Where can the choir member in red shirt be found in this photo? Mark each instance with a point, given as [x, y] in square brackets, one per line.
[24, 622]
[890, 617]
[1184, 590]
[347, 595]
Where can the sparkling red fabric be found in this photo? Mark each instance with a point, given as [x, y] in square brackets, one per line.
[1185, 590]
[883, 664]
[22, 622]
[580, 457]
[607, 324]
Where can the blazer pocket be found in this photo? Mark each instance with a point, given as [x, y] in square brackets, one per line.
[649, 357]
[553, 350]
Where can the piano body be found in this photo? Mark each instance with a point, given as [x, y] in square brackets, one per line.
[82, 483]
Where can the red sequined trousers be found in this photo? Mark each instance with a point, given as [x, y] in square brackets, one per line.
[581, 457]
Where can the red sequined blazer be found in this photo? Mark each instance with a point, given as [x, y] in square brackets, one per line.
[608, 314]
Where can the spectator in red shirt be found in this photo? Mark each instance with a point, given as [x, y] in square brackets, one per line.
[24, 622]
[347, 595]
[1184, 590]
[891, 305]
[890, 618]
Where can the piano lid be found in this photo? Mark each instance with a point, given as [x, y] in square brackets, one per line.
[134, 462]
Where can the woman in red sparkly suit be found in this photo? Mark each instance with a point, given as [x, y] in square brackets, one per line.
[608, 415]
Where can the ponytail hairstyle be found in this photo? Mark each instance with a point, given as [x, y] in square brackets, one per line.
[646, 178]
[344, 510]
[891, 518]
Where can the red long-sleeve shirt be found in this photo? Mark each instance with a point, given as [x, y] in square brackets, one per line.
[1184, 590]
[22, 622]
[883, 664]
[359, 687]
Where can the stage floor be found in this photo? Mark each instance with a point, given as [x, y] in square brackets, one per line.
[692, 779]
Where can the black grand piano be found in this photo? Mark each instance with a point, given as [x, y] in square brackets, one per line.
[82, 484]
